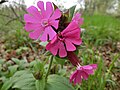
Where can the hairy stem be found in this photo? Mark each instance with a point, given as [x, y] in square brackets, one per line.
[51, 60]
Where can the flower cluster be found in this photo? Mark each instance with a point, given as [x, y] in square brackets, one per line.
[47, 24]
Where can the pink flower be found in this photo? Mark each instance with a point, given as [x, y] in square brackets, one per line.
[78, 19]
[40, 22]
[65, 41]
[82, 72]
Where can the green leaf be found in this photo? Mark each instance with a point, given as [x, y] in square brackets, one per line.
[55, 6]
[19, 50]
[56, 82]
[43, 43]
[71, 13]
[38, 66]
[111, 81]
[32, 63]
[7, 84]
[77, 51]
[2, 79]
[59, 60]
[17, 61]
[12, 69]
[2, 61]
[19, 73]
[23, 64]
[40, 84]
[8, 63]
[62, 71]
[23, 80]
[47, 53]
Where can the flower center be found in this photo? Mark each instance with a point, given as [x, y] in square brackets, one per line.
[44, 23]
[60, 37]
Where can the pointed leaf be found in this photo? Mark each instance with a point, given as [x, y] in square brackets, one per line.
[40, 84]
[71, 12]
[56, 82]
[7, 85]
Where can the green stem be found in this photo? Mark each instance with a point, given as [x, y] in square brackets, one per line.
[51, 60]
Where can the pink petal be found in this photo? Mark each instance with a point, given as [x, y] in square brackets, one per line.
[70, 28]
[62, 51]
[73, 33]
[78, 18]
[78, 78]
[34, 11]
[44, 36]
[88, 67]
[48, 32]
[89, 71]
[80, 21]
[56, 14]
[75, 41]
[53, 47]
[49, 9]
[73, 75]
[53, 50]
[51, 32]
[73, 36]
[54, 23]
[35, 34]
[69, 46]
[54, 40]
[31, 19]
[94, 66]
[84, 75]
[32, 26]
[40, 4]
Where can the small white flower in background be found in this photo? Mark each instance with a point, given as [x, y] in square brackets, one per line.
[83, 29]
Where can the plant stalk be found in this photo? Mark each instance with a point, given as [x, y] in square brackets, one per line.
[51, 60]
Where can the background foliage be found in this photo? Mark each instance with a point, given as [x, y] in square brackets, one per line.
[24, 62]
